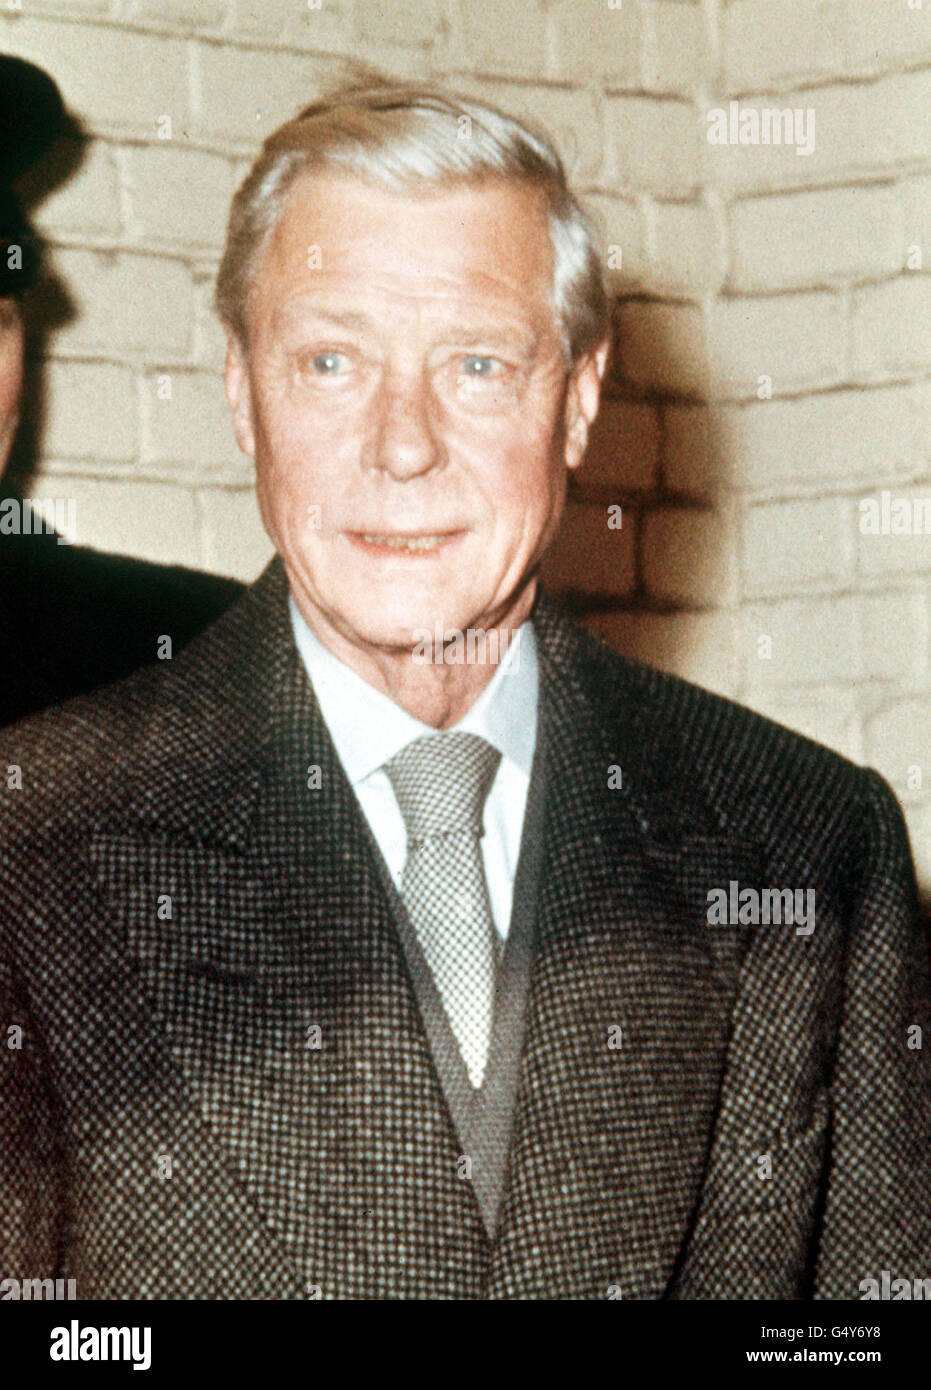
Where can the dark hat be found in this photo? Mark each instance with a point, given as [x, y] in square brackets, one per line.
[31, 113]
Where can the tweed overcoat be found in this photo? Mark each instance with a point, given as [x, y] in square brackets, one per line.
[215, 1082]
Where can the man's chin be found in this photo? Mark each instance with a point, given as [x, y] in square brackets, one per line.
[413, 633]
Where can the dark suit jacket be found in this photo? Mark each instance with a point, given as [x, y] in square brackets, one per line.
[166, 1132]
[72, 619]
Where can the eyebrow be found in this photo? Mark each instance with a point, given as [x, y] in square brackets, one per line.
[464, 331]
[342, 318]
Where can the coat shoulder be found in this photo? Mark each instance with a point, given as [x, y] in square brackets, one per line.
[64, 766]
[756, 774]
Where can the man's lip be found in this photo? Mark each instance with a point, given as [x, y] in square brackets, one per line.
[364, 540]
[444, 531]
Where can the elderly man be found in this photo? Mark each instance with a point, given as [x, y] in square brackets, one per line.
[338, 964]
[71, 618]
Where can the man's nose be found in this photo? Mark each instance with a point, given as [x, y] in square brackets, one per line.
[404, 442]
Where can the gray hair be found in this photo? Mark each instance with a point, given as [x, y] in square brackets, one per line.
[400, 136]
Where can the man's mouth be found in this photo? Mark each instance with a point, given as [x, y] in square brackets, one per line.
[406, 544]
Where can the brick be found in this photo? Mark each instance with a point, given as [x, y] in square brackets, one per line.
[689, 556]
[795, 340]
[66, 8]
[916, 214]
[676, 55]
[406, 22]
[235, 542]
[621, 235]
[698, 647]
[814, 641]
[125, 303]
[295, 22]
[860, 128]
[815, 238]
[875, 125]
[885, 553]
[829, 716]
[179, 14]
[764, 166]
[653, 145]
[153, 520]
[892, 326]
[178, 195]
[662, 347]
[899, 738]
[503, 40]
[689, 463]
[687, 256]
[880, 35]
[623, 448]
[894, 635]
[91, 412]
[108, 77]
[837, 437]
[773, 41]
[394, 59]
[590, 41]
[87, 202]
[246, 94]
[190, 430]
[791, 544]
[588, 557]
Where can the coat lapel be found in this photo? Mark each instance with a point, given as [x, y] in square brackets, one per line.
[630, 1004]
[280, 985]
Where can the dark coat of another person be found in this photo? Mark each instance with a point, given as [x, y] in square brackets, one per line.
[72, 619]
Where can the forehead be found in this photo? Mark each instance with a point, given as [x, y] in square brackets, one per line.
[487, 241]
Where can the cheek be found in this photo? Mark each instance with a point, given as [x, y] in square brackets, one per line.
[300, 455]
[521, 471]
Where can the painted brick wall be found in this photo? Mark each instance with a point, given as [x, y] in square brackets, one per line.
[773, 365]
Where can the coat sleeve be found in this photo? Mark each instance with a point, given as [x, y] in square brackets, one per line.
[29, 1186]
[877, 1213]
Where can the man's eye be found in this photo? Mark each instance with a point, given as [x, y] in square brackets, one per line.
[478, 367]
[328, 363]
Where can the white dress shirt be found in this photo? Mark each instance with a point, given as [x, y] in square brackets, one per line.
[368, 728]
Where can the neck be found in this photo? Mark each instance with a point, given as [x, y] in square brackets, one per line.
[437, 687]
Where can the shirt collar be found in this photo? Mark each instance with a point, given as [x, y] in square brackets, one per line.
[368, 727]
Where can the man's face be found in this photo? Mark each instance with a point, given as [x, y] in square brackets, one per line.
[11, 374]
[406, 400]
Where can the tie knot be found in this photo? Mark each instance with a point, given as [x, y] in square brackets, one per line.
[441, 781]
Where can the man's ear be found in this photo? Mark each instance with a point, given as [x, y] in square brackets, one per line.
[583, 394]
[239, 393]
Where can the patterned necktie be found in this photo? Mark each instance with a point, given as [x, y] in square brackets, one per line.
[441, 782]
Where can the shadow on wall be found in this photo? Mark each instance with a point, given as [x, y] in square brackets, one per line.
[47, 305]
[645, 551]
